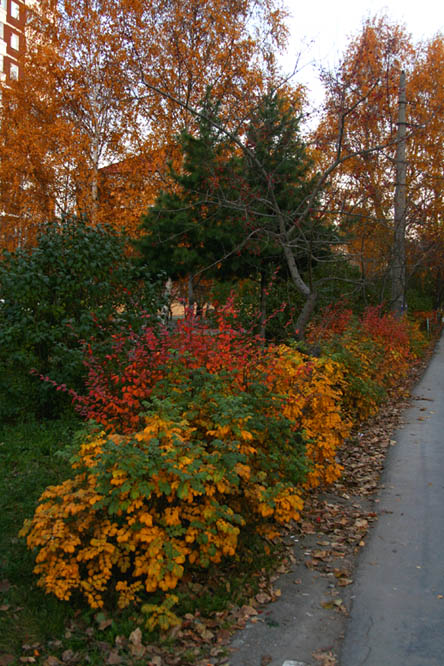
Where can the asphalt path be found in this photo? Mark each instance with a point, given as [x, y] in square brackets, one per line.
[396, 602]
[397, 614]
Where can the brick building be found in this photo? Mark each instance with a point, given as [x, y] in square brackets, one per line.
[12, 39]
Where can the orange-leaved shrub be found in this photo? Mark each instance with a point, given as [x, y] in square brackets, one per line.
[374, 351]
[204, 434]
[313, 389]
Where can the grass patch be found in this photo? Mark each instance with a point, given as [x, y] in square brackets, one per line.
[28, 464]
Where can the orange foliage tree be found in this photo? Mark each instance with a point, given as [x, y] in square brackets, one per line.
[426, 155]
[80, 106]
[358, 130]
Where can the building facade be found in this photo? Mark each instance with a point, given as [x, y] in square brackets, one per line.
[12, 38]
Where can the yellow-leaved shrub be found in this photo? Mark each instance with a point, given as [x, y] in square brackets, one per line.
[313, 390]
[144, 507]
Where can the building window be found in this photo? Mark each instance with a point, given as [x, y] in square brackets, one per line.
[4, 4]
[2, 31]
[13, 72]
[15, 41]
[15, 10]
[1, 63]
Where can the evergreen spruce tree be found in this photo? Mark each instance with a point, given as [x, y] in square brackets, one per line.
[193, 230]
[280, 180]
[231, 201]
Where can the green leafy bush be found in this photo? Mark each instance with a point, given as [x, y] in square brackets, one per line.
[76, 283]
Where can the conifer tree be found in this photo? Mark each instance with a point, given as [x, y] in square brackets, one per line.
[240, 205]
[193, 230]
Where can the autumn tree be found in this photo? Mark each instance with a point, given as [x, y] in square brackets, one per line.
[80, 106]
[425, 158]
[63, 118]
[359, 130]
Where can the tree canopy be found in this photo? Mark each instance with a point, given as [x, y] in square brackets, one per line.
[89, 97]
[359, 130]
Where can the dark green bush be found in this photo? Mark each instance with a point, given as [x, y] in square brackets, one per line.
[76, 284]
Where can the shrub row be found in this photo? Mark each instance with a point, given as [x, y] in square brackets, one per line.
[204, 433]
[374, 352]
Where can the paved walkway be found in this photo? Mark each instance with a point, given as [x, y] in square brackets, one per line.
[397, 617]
[397, 599]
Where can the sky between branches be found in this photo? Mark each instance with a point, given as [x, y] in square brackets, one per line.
[320, 30]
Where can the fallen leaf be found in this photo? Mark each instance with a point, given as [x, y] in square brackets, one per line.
[135, 636]
[105, 624]
[341, 573]
[216, 651]
[203, 632]
[52, 661]
[137, 650]
[308, 528]
[174, 632]
[248, 610]
[102, 620]
[136, 647]
[325, 658]
[311, 563]
[155, 661]
[223, 636]
[114, 658]
[343, 582]
[263, 598]
[328, 605]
